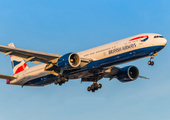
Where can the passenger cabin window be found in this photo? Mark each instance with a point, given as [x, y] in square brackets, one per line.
[86, 55]
[158, 37]
[92, 53]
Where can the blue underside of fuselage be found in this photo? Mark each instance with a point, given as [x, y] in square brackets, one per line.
[99, 64]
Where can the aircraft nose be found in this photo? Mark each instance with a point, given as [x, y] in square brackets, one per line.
[164, 41]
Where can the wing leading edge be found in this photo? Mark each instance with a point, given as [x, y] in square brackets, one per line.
[33, 56]
[29, 55]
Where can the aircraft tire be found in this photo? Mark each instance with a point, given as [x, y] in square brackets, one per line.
[149, 62]
[152, 63]
[88, 89]
[92, 87]
[100, 86]
[93, 90]
[96, 86]
[59, 80]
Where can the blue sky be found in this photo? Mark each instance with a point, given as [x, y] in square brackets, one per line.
[62, 26]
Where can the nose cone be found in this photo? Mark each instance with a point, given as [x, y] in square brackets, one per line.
[163, 41]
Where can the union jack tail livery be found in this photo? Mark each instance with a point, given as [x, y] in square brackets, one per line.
[18, 64]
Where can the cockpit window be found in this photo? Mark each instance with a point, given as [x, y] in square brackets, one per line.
[158, 37]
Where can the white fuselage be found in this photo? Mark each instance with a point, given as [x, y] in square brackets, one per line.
[129, 45]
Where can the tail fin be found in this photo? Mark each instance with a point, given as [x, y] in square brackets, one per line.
[18, 64]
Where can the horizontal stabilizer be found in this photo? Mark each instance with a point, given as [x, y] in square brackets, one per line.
[7, 77]
[143, 77]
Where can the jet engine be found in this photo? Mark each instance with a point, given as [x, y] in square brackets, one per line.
[127, 74]
[69, 61]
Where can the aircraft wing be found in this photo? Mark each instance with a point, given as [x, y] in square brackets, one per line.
[28, 55]
[33, 56]
[7, 77]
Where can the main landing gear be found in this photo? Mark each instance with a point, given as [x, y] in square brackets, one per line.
[60, 81]
[152, 57]
[94, 87]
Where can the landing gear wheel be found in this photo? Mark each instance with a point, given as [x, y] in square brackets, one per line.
[100, 86]
[60, 84]
[93, 90]
[150, 63]
[96, 86]
[88, 89]
[55, 83]
[92, 87]
[59, 81]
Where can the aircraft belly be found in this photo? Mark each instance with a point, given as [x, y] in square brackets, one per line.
[41, 81]
[85, 73]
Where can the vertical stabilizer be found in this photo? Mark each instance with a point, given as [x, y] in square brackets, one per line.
[18, 64]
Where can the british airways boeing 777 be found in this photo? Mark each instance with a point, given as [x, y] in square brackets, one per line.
[90, 65]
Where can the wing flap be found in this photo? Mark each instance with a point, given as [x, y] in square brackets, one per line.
[7, 77]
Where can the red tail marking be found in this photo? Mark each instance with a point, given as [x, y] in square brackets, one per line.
[21, 68]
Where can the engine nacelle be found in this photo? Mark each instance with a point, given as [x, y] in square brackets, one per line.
[127, 74]
[69, 61]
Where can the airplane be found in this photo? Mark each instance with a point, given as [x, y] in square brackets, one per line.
[90, 65]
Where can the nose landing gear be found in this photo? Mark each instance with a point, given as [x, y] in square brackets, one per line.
[152, 57]
[150, 63]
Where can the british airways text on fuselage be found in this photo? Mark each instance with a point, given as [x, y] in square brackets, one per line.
[122, 48]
